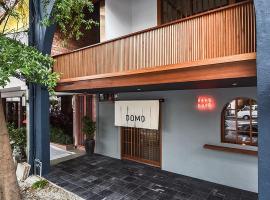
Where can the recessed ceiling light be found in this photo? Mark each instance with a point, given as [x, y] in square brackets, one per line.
[234, 84]
[139, 89]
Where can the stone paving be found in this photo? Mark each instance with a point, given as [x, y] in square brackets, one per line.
[102, 178]
[56, 153]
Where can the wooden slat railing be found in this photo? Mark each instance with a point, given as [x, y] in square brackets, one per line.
[223, 32]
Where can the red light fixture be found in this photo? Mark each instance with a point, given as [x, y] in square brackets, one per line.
[206, 103]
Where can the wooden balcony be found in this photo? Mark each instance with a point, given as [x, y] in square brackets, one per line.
[223, 41]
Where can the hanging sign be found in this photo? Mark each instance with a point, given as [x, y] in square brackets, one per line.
[137, 114]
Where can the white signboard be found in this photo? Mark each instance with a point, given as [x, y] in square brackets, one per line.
[137, 114]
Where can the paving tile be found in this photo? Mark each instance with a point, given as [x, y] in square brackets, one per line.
[95, 197]
[79, 191]
[245, 195]
[119, 189]
[97, 189]
[129, 179]
[196, 197]
[70, 186]
[153, 194]
[181, 195]
[99, 177]
[105, 193]
[138, 192]
[106, 184]
[84, 184]
[128, 198]
[114, 196]
[87, 194]
[145, 197]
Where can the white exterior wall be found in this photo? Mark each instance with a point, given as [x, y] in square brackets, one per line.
[144, 14]
[117, 18]
[126, 16]
[20, 36]
[184, 132]
[107, 135]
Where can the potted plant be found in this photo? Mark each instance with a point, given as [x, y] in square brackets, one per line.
[89, 128]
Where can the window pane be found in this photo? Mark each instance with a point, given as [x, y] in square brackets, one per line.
[230, 130]
[243, 109]
[230, 136]
[240, 122]
[254, 109]
[244, 136]
[243, 125]
[255, 138]
[255, 131]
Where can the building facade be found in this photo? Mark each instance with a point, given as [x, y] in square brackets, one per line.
[198, 60]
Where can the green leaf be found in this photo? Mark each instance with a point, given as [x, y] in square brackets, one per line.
[27, 63]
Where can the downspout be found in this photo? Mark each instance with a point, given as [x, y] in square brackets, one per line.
[31, 147]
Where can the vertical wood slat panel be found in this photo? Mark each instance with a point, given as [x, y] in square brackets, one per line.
[225, 32]
[141, 145]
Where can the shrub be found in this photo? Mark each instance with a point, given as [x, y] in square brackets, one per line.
[89, 127]
[18, 138]
[59, 118]
[58, 136]
[41, 184]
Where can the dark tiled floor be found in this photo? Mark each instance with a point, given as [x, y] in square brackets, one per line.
[98, 177]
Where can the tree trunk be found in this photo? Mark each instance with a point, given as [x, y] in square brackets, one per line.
[9, 189]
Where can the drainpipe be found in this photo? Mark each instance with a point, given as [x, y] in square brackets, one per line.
[31, 125]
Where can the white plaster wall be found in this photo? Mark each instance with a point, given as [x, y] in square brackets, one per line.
[144, 14]
[20, 36]
[118, 20]
[184, 132]
[126, 16]
[107, 136]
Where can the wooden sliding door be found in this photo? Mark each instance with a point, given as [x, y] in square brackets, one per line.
[141, 145]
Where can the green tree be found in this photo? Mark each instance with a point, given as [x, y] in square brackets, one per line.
[27, 63]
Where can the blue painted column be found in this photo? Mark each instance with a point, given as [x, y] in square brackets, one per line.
[39, 126]
[39, 138]
[263, 91]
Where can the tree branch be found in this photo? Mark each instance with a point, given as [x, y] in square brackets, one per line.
[7, 9]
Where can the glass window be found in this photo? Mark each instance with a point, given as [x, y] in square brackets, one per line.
[239, 121]
[177, 9]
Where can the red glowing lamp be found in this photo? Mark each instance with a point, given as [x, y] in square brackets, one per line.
[206, 103]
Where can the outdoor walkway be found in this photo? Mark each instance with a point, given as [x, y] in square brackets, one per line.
[98, 177]
[58, 155]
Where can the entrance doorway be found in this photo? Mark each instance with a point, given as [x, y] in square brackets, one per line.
[141, 145]
[84, 105]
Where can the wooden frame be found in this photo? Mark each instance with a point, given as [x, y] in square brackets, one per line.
[236, 110]
[159, 12]
[102, 21]
[240, 66]
[230, 150]
[142, 160]
[210, 8]
[83, 106]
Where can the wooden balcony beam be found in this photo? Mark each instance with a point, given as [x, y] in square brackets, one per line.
[231, 67]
